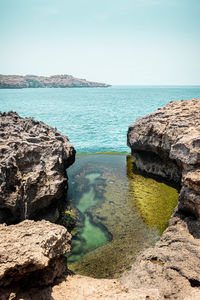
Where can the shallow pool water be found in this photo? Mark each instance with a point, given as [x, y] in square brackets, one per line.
[120, 212]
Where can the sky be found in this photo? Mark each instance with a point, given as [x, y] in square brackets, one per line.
[120, 42]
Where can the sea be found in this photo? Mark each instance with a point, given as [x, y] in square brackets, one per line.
[118, 211]
[94, 119]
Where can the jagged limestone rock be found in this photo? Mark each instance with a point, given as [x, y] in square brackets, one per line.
[33, 253]
[167, 143]
[33, 162]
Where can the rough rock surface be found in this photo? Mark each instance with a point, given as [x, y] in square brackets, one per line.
[167, 143]
[33, 162]
[81, 288]
[172, 266]
[78, 287]
[32, 252]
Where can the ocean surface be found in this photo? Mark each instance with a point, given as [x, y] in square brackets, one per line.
[94, 119]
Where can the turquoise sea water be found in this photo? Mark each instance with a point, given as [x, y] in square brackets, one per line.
[95, 119]
[115, 220]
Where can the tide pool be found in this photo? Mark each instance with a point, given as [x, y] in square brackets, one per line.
[120, 213]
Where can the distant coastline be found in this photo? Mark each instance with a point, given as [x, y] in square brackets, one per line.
[55, 81]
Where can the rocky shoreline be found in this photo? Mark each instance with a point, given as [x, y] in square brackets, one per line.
[33, 160]
[33, 185]
[167, 143]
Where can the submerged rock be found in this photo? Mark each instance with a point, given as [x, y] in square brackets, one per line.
[167, 143]
[32, 253]
[33, 162]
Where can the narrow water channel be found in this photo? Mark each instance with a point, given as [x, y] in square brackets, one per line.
[119, 213]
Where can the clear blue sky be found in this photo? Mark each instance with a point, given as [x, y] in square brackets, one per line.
[114, 41]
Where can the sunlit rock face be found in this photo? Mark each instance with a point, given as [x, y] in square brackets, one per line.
[167, 143]
[172, 266]
[33, 162]
[32, 254]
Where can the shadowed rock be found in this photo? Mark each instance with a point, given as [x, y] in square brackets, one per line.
[33, 162]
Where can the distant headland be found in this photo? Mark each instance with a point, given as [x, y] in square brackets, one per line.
[55, 81]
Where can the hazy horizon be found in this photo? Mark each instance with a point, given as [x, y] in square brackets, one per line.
[129, 42]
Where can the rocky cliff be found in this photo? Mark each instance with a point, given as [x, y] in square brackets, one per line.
[167, 143]
[56, 81]
[33, 162]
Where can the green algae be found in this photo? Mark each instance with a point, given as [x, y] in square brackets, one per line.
[120, 204]
[69, 219]
[154, 200]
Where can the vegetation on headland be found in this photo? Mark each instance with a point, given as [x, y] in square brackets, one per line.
[55, 81]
